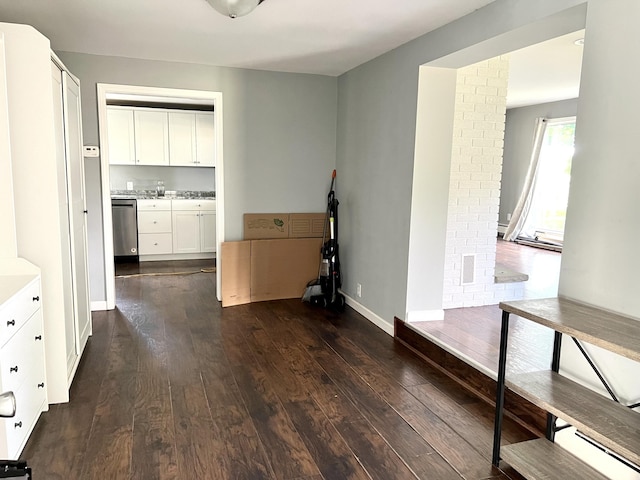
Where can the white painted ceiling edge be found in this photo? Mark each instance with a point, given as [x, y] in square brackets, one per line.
[327, 37]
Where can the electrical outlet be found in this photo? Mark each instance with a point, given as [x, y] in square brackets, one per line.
[508, 217]
[358, 290]
[129, 185]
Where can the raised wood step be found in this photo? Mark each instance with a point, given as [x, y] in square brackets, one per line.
[470, 377]
[542, 460]
[605, 329]
[611, 424]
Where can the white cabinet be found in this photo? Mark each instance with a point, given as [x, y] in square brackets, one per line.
[22, 367]
[194, 226]
[191, 139]
[151, 137]
[120, 134]
[182, 139]
[154, 136]
[154, 227]
[205, 140]
[48, 193]
[208, 231]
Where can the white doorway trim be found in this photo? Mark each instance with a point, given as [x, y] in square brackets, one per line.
[170, 95]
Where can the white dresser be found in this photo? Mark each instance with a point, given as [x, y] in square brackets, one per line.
[22, 364]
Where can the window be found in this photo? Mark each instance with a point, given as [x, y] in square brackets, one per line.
[546, 218]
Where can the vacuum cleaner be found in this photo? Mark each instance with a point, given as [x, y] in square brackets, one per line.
[324, 291]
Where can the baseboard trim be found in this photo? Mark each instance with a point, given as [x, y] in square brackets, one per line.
[99, 306]
[369, 315]
[425, 316]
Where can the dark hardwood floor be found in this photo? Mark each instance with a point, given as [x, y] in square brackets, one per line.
[172, 386]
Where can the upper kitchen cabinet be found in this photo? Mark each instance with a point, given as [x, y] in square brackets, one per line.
[120, 131]
[155, 136]
[182, 139]
[205, 139]
[191, 140]
[48, 192]
[151, 136]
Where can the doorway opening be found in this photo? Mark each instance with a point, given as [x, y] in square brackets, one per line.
[166, 96]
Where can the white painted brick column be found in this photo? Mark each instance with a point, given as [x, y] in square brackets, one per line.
[474, 194]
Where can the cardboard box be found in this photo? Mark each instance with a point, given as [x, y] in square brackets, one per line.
[259, 270]
[236, 273]
[266, 225]
[307, 225]
[282, 268]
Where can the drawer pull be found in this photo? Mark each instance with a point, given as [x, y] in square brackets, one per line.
[38, 337]
[41, 385]
[36, 298]
[18, 424]
[11, 323]
[13, 369]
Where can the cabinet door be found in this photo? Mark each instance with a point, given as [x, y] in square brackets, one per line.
[152, 137]
[182, 138]
[186, 231]
[205, 138]
[208, 231]
[120, 136]
[77, 212]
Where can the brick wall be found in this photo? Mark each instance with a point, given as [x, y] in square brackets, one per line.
[474, 194]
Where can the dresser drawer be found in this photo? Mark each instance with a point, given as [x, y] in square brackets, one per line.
[15, 312]
[30, 402]
[155, 243]
[153, 205]
[23, 356]
[154, 222]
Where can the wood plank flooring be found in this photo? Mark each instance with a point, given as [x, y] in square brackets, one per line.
[172, 386]
[474, 333]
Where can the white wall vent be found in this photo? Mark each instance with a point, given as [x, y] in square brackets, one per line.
[468, 269]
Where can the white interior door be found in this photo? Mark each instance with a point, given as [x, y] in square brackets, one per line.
[77, 209]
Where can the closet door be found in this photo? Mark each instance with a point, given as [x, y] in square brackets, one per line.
[64, 340]
[77, 211]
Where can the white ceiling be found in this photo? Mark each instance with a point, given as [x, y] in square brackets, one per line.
[327, 37]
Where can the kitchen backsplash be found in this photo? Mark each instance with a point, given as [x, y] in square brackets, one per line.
[143, 178]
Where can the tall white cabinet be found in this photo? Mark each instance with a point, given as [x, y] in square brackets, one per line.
[48, 191]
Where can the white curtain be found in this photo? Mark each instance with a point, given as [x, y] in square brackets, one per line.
[519, 215]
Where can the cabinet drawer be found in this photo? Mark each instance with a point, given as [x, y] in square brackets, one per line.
[18, 309]
[194, 204]
[154, 222]
[23, 356]
[155, 243]
[30, 401]
[154, 204]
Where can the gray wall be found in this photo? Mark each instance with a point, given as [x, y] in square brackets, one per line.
[375, 151]
[279, 134]
[600, 261]
[518, 142]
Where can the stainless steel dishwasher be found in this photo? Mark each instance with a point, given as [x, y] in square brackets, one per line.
[125, 227]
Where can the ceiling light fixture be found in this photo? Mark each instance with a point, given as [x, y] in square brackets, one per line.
[235, 8]
[579, 42]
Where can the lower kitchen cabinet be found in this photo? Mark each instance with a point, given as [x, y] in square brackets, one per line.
[194, 224]
[22, 361]
[154, 227]
[171, 229]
